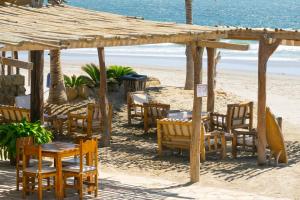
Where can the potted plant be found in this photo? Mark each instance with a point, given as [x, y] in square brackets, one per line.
[116, 72]
[72, 85]
[10, 132]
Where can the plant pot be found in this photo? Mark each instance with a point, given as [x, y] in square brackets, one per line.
[112, 85]
[72, 93]
[83, 91]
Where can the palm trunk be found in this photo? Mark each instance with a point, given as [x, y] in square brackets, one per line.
[57, 93]
[189, 80]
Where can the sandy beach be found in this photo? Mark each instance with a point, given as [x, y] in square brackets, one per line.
[283, 90]
[134, 153]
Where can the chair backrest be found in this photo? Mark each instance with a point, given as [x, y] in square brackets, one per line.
[32, 151]
[138, 98]
[20, 144]
[89, 148]
[240, 116]
[14, 114]
[154, 111]
[94, 114]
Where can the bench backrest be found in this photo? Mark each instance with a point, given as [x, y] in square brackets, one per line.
[11, 114]
[175, 128]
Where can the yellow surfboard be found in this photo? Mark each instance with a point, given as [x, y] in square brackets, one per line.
[275, 138]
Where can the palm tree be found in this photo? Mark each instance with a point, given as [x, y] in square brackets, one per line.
[57, 93]
[189, 79]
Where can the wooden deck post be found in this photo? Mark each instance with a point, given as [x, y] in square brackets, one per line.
[103, 98]
[3, 66]
[266, 49]
[16, 56]
[197, 108]
[37, 86]
[210, 79]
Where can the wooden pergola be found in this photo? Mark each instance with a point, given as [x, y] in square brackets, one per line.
[65, 27]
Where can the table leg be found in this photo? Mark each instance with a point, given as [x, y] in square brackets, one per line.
[59, 185]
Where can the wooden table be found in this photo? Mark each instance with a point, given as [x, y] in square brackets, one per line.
[183, 115]
[59, 150]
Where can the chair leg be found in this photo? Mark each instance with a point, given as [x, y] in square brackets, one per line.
[223, 141]
[48, 183]
[18, 179]
[40, 189]
[80, 187]
[234, 146]
[96, 185]
[24, 187]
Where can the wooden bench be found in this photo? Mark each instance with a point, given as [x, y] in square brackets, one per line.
[176, 134]
[10, 114]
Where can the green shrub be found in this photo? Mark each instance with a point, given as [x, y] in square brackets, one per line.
[10, 132]
[74, 81]
[116, 72]
[93, 75]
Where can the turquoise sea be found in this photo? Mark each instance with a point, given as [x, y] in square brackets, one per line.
[246, 13]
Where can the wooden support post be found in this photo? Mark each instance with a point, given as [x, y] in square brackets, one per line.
[3, 66]
[210, 79]
[9, 68]
[29, 71]
[103, 98]
[37, 87]
[266, 49]
[16, 56]
[196, 124]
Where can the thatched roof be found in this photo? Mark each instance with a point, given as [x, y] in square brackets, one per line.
[26, 28]
[70, 27]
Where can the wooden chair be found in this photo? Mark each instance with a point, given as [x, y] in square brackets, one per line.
[135, 105]
[140, 106]
[10, 114]
[153, 112]
[39, 171]
[20, 144]
[88, 120]
[238, 116]
[84, 173]
[176, 134]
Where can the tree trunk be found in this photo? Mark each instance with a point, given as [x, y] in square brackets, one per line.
[189, 79]
[103, 99]
[57, 92]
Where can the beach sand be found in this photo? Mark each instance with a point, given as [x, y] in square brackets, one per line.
[134, 153]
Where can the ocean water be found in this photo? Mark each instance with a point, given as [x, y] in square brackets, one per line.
[246, 13]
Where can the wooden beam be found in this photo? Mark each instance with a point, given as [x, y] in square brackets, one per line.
[103, 98]
[290, 42]
[223, 45]
[264, 53]
[37, 86]
[16, 63]
[110, 42]
[211, 62]
[196, 124]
